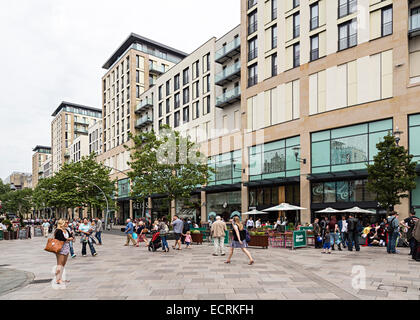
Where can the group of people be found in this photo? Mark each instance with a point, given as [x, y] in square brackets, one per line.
[346, 233]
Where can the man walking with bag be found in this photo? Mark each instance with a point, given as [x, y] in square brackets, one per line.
[218, 233]
[353, 233]
[393, 232]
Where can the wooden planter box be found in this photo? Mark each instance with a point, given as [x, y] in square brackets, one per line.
[259, 241]
[197, 238]
[6, 235]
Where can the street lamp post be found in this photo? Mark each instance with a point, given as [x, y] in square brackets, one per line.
[103, 193]
[397, 135]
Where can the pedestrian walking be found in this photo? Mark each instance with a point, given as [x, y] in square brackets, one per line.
[393, 232]
[98, 230]
[218, 233]
[342, 225]
[239, 240]
[46, 227]
[334, 233]
[178, 227]
[129, 229]
[327, 241]
[410, 223]
[62, 234]
[163, 231]
[317, 234]
[185, 229]
[188, 240]
[85, 231]
[72, 236]
[353, 232]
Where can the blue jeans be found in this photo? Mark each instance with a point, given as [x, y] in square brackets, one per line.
[71, 248]
[164, 242]
[98, 236]
[92, 249]
[334, 238]
[392, 241]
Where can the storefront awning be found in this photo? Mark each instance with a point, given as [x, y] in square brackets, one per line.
[223, 187]
[334, 176]
[273, 182]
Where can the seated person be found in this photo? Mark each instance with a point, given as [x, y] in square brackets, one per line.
[381, 235]
[372, 238]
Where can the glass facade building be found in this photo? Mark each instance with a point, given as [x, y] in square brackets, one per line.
[347, 148]
[274, 160]
[414, 148]
[228, 168]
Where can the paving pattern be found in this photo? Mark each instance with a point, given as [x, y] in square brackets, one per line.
[120, 272]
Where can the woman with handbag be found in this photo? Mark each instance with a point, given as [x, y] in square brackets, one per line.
[61, 234]
[239, 236]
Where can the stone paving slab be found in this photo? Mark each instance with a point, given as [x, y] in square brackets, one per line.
[120, 272]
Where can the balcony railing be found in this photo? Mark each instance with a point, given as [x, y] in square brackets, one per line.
[228, 51]
[144, 121]
[252, 3]
[347, 8]
[80, 130]
[252, 27]
[252, 54]
[229, 74]
[144, 105]
[229, 97]
[81, 121]
[347, 42]
[156, 69]
[314, 23]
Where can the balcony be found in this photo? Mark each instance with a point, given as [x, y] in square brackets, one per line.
[144, 121]
[66, 154]
[228, 51]
[228, 98]
[80, 130]
[81, 121]
[144, 105]
[156, 69]
[414, 29]
[229, 74]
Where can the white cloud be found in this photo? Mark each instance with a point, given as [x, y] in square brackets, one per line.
[53, 50]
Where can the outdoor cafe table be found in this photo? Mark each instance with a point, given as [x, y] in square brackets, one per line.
[280, 239]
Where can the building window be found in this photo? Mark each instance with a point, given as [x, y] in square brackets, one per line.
[176, 119]
[347, 33]
[346, 7]
[274, 37]
[252, 75]
[206, 84]
[196, 69]
[137, 76]
[186, 95]
[341, 191]
[176, 82]
[168, 87]
[160, 92]
[274, 160]
[196, 110]
[251, 3]
[227, 168]
[196, 89]
[414, 133]
[252, 49]
[296, 55]
[314, 47]
[296, 3]
[206, 63]
[137, 92]
[186, 114]
[347, 148]
[168, 120]
[252, 22]
[176, 101]
[386, 21]
[185, 76]
[274, 65]
[314, 23]
[206, 105]
[160, 124]
[273, 9]
[296, 25]
[168, 105]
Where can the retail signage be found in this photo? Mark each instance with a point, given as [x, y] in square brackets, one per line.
[299, 239]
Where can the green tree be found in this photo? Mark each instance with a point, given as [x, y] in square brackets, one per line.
[4, 189]
[166, 164]
[18, 202]
[393, 174]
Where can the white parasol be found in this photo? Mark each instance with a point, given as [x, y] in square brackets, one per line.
[328, 210]
[284, 207]
[358, 210]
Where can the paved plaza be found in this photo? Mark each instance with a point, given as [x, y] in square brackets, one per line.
[120, 272]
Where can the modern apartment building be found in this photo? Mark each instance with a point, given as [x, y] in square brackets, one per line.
[41, 154]
[70, 121]
[19, 180]
[79, 148]
[132, 69]
[95, 138]
[322, 83]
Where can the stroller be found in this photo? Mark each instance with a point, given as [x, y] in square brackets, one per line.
[156, 242]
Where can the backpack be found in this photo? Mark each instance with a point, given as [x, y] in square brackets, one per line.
[390, 227]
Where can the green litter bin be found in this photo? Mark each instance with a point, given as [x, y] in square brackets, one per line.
[1, 235]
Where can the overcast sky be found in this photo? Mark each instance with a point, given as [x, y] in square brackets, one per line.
[53, 51]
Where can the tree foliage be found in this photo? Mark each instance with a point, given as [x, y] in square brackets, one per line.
[393, 174]
[166, 164]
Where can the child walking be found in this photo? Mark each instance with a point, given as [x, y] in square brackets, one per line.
[188, 239]
[327, 243]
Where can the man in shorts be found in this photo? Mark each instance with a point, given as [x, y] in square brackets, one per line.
[178, 225]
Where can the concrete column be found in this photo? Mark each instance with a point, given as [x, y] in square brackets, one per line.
[131, 209]
[305, 185]
[173, 208]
